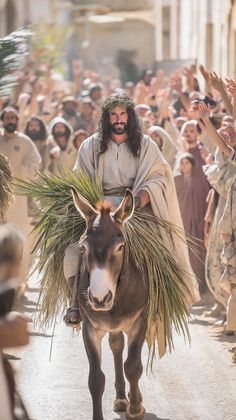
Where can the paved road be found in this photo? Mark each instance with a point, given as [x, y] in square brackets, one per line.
[194, 382]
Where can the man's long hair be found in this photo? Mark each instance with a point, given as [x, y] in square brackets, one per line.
[134, 132]
[43, 131]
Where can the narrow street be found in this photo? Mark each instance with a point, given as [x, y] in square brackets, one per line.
[194, 382]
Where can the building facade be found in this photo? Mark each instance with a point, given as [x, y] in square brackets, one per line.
[199, 30]
[133, 35]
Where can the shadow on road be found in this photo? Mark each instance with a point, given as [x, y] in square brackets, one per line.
[38, 334]
[214, 324]
[148, 416]
[200, 322]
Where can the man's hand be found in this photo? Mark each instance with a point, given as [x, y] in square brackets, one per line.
[204, 152]
[231, 86]
[231, 134]
[142, 199]
[204, 111]
[176, 83]
[205, 73]
[216, 81]
[55, 152]
[13, 330]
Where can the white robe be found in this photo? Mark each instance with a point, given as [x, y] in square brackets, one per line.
[117, 167]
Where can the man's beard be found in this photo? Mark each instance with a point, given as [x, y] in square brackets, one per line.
[119, 128]
[58, 136]
[35, 135]
[70, 113]
[10, 128]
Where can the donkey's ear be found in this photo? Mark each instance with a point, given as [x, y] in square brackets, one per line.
[82, 205]
[125, 209]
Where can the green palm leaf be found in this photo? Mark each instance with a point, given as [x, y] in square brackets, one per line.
[59, 224]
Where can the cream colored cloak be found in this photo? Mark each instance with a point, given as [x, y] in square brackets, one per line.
[154, 175]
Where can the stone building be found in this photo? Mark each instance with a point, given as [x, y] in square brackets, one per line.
[200, 30]
[133, 35]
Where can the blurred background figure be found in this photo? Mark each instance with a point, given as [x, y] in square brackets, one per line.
[78, 138]
[165, 143]
[13, 325]
[24, 160]
[63, 153]
[192, 202]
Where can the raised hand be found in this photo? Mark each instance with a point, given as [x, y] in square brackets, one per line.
[231, 132]
[204, 111]
[216, 81]
[190, 78]
[176, 83]
[204, 152]
[231, 86]
[205, 73]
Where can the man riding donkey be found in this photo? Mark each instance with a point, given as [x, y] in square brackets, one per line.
[121, 157]
[128, 268]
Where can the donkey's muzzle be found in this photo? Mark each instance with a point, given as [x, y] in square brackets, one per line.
[100, 305]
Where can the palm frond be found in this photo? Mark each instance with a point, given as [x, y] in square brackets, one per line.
[59, 224]
[5, 185]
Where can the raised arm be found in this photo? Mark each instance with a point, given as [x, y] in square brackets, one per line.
[218, 84]
[231, 86]
[216, 138]
[206, 74]
[176, 84]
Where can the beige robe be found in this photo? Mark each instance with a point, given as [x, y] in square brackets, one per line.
[227, 227]
[66, 158]
[118, 168]
[24, 159]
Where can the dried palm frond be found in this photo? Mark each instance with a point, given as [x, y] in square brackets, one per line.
[168, 281]
[59, 224]
[5, 185]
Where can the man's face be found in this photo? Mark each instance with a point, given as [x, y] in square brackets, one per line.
[69, 107]
[191, 134]
[34, 129]
[118, 120]
[59, 133]
[96, 94]
[86, 110]
[10, 121]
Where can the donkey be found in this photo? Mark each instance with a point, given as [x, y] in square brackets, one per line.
[113, 299]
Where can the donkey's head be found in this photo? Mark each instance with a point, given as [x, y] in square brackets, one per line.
[104, 247]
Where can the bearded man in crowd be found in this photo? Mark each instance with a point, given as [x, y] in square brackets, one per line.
[36, 130]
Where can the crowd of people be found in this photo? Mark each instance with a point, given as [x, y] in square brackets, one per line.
[45, 121]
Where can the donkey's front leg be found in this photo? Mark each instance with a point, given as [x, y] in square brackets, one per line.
[116, 341]
[92, 341]
[134, 368]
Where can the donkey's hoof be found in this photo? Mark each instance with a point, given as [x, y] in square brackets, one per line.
[135, 415]
[120, 404]
[139, 396]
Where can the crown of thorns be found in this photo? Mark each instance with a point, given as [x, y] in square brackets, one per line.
[112, 102]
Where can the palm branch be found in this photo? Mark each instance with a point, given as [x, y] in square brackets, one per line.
[58, 224]
[5, 186]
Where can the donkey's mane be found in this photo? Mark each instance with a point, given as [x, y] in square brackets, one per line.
[105, 207]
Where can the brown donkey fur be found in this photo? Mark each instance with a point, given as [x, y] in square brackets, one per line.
[113, 299]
